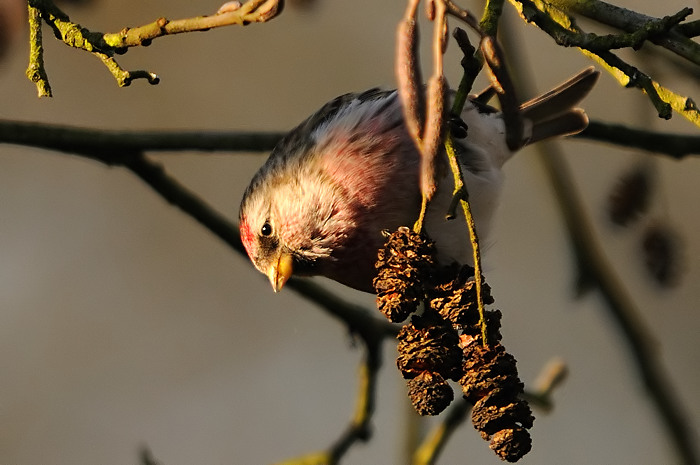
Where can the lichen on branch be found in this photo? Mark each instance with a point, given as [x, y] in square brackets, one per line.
[559, 25]
[105, 46]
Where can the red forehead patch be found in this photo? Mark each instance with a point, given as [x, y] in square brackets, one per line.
[247, 237]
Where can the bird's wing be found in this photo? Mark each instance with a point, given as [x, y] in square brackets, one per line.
[554, 114]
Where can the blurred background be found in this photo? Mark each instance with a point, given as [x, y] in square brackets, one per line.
[123, 323]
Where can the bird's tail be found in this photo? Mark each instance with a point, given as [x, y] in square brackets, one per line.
[554, 113]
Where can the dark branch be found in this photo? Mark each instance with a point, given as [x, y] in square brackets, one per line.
[109, 145]
[674, 145]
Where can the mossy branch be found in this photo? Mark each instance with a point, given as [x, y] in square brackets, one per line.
[651, 29]
[35, 71]
[105, 46]
[562, 28]
[676, 38]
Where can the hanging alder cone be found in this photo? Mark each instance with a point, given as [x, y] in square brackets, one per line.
[490, 379]
[403, 263]
[429, 343]
[430, 393]
[492, 384]
[429, 354]
[446, 342]
[454, 295]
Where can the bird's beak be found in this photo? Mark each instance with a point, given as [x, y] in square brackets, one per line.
[280, 271]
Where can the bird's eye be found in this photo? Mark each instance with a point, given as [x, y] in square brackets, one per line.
[266, 229]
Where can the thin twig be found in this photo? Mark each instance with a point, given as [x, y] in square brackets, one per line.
[359, 428]
[36, 71]
[461, 191]
[471, 67]
[253, 11]
[462, 14]
[551, 376]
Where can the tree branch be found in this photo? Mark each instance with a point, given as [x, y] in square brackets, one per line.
[676, 38]
[563, 30]
[104, 46]
[431, 448]
[359, 428]
[109, 145]
[674, 145]
[253, 11]
[35, 71]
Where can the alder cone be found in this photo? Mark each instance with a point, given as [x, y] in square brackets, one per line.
[492, 384]
[402, 265]
[429, 343]
[430, 393]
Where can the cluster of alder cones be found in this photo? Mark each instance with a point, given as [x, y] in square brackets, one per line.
[445, 342]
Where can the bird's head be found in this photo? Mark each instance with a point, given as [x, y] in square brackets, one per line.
[262, 242]
[291, 222]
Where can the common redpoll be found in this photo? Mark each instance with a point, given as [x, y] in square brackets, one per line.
[319, 204]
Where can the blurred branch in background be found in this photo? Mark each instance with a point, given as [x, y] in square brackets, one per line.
[146, 457]
[595, 270]
[359, 428]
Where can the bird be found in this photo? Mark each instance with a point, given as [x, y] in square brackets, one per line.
[333, 186]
